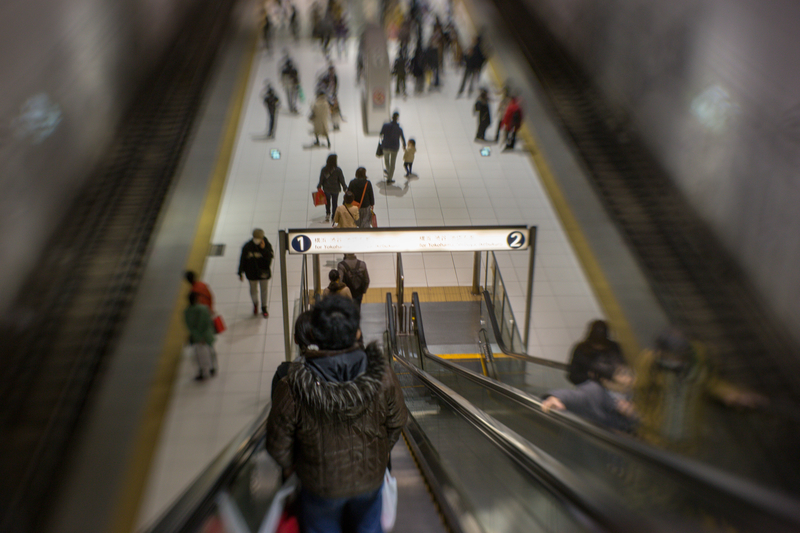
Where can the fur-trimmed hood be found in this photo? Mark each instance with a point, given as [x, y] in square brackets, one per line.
[348, 399]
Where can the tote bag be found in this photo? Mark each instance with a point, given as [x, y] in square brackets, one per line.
[388, 501]
[318, 197]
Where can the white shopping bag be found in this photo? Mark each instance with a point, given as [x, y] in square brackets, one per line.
[389, 502]
[204, 358]
[271, 521]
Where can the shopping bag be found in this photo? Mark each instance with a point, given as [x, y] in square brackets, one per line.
[277, 509]
[219, 324]
[374, 220]
[379, 151]
[388, 501]
[318, 197]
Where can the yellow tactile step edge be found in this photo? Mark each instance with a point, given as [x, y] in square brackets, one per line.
[123, 518]
[591, 267]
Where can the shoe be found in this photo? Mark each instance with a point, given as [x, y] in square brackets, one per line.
[255, 309]
[315, 143]
[507, 149]
[389, 181]
[213, 372]
[327, 218]
[200, 377]
[265, 312]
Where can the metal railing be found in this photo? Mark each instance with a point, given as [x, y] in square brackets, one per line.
[742, 502]
[496, 287]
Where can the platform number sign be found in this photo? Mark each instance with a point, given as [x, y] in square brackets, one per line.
[515, 239]
[301, 243]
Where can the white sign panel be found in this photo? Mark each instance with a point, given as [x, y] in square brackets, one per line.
[463, 239]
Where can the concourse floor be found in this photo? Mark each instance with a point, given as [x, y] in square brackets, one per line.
[454, 185]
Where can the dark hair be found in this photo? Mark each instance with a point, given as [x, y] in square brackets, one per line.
[361, 172]
[192, 298]
[330, 164]
[349, 197]
[190, 276]
[333, 275]
[303, 335]
[334, 323]
[395, 114]
[412, 141]
[673, 341]
[598, 331]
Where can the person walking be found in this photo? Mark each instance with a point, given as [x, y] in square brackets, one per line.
[291, 83]
[201, 336]
[256, 263]
[399, 71]
[593, 354]
[408, 156]
[391, 135]
[474, 64]
[336, 286]
[334, 420]
[271, 102]
[355, 275]
[204, 295]
[346, 215]
[512, 122]
[331, 181]
[484, 116]
[361, 188]
[320, 116]
[501, 111]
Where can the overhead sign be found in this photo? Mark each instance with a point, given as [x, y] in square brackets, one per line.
[452, 239]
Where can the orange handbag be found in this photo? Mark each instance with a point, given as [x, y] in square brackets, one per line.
[318, 197]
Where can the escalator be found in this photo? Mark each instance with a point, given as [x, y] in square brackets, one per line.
[492, 461]
[645, 479]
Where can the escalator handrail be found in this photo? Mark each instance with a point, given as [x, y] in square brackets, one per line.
[590, 506]
[498, 337]
[214, 478]
[759, 498]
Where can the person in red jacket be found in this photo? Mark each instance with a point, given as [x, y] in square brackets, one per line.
[202, 291]
[512, 121]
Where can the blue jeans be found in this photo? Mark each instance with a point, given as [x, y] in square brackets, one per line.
[360, 514]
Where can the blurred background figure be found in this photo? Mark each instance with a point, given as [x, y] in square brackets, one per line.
[674, 382]
[595, 353]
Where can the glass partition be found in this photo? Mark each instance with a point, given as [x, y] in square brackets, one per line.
[509, 328]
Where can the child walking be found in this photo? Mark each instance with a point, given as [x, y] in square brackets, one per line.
[408, 156]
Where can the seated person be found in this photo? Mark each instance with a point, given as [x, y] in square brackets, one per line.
[605, 402]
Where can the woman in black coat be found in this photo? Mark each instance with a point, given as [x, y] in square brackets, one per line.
[596, 356]
[331, 181]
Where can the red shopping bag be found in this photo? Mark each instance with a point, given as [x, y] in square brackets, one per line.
[219, 324]
[288, 523]
[318, 197]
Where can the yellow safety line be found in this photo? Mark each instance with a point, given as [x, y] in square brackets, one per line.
[126, 509]
[597, 278]
[467, 356]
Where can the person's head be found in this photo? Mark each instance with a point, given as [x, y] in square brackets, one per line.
[348, 197]
[333, 275]
[350, 256]
[320, 93]
[331, 162]
[395, 116]
[258, 235]
[361, 173]
[412, 142]
[303, 336]
[598, 331]
[190, 276]
[484, 94]
[334, 323]
[673, 350]
[192, 298]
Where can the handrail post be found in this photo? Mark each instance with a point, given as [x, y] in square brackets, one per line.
[400, 290]
[476, 273]
[287, 335]
[317, 284]
[529, 299]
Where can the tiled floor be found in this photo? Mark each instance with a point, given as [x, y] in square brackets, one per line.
[455, 186]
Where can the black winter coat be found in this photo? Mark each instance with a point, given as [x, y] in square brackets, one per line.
[332, 182]
[256, 262]
[357, 188]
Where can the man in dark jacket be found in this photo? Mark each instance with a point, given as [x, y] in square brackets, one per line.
[474, 62]
[391, 135]
[353, 272]
[362, 191]
[484, 116]
[255, 263]
[334, 419]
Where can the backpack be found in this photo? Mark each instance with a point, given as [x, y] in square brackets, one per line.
[356, 279]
